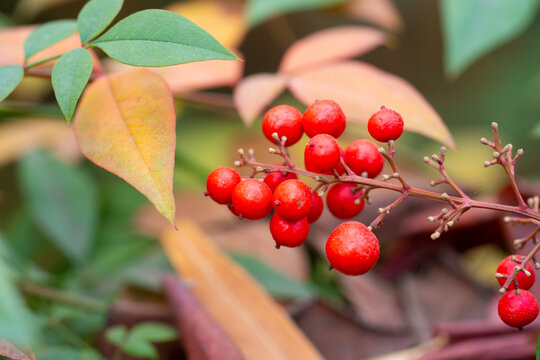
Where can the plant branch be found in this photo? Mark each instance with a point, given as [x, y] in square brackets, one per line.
[63, 297]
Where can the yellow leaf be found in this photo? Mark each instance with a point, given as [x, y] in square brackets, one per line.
[331, 45]
[255, 92]
[223, 20]
[259, 327]
[361, 89]
[126, 124]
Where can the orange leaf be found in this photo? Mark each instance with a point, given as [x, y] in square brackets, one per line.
[338, 43]
[379, 12]
[126, 124]
[361, 89]
[255, 92]
[194, 76]
[223, 20]
[258, 325]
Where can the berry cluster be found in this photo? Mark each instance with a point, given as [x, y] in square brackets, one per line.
[346, 176]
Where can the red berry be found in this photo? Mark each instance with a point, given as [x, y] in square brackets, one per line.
[275, 178]
[284, 120]
[352, 248]
[292, 200]
[341, 198]
[385, 125]
[288, 233]
[221, 183]
[321, 154]
[507, 267]
[324, 117]
[316, 208]
[232, 209]
[518, 310]
[252, 199]
[364, 156]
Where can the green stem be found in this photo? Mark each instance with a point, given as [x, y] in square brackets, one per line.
[63, 297]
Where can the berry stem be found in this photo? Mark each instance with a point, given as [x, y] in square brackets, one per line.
[512, 277]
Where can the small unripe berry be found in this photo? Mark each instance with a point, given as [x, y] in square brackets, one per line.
[352, 248]
[385, 125]
[252, 199]
[322, 154]
[341, 200]
[324, 117]
[363, 155]
[275, 178]
[518, 310]
[220, 184]
[284, 120]
[507, 267]
[317, 207]
[292, 200]
[288, 233]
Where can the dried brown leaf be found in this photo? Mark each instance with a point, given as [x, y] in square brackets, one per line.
[379, 12]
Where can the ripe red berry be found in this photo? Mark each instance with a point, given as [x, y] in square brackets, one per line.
[275, 178]
[385, 125]
[292, 200]
[316, 208]
[364, 156]
[221, 183]
[352, 248]
[341, 198]
[507, 266]
[518, 310]
[324, 117]
[288, 233]
[284, 120]
[252, 199]
[321, 154]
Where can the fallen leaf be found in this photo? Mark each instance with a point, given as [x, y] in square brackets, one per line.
[126, 124]
[255, 92]
[259, 327]
[223, 20]
[12, 352]
[361, 89]
[331, 45]
[379, 12]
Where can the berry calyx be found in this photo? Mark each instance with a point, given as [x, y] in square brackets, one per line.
[506, 267]
[352, 248]
[317, 207]
[324, 117]
[220, 184]
[292, 200]
[518, 309]
[288, 233]
[341, 200]
[321, 154]
[252, 199]
[363, 156]
[385, 125]
[284, 120]
[275, 178]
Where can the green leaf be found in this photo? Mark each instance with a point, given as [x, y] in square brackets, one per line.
[152, 332]
[159, 38]
[538, 348]
[95, 16]
[62, 352]
[116, 334]
[472, 28]
[259, 11]
[536, 130]
[138, 340]
[10, 77]
[62, 202]
[276, 283]
[69, 77]
[47, 35]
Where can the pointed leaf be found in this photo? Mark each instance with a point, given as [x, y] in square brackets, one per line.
[152, 332]
[10, 77]
[471, 28]
[12, 352]
[259, 11]
[379, 12]
[361, 89]
[95, 16]
[159, 38]
[338, 43]
[126, 124]
[69, 77]
[256, 92]
[47, 35]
